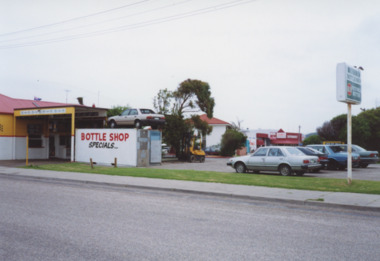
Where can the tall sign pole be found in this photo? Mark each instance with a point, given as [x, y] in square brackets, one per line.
[348, 90]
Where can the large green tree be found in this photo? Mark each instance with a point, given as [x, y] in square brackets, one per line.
[365, 129]
[180, 106]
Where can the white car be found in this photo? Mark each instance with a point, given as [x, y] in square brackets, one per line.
[137, 118]
[286, 160]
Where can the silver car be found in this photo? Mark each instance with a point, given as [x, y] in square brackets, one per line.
[137, 118]
[286, 160]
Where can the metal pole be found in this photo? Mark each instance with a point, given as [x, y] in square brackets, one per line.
[349, 147]
[27, 150]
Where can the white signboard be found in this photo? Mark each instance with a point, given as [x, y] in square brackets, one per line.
[348, 84]
[43, 111]
[104, 145]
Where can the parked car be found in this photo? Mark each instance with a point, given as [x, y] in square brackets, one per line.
[137, 118]
[336, 155]
[286, 160]
[312, 152]
[213, 150]
[366, 157]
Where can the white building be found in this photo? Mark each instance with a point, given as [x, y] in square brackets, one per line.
[218, 129]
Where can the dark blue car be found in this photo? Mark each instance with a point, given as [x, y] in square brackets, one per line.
[336, 155]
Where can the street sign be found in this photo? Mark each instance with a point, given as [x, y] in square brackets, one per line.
[348, 84]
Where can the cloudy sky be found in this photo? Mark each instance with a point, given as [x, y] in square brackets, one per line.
[271, 64]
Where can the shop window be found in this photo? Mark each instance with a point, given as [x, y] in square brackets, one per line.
[35, 135]
[35, 141]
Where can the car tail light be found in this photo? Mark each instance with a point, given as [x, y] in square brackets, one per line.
[323, 158]
[372, 155]
[149, 117]
[306, 161]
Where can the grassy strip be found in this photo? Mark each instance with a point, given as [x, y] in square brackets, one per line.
[303, 183]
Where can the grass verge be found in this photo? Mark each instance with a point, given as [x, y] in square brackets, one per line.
[303, 183]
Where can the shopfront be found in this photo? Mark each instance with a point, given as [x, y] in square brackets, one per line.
[43, 130]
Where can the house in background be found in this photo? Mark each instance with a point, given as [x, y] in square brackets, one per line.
[218, 129]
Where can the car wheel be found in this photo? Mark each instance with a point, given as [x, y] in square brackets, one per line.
[363, 165]
[240, 167]
[192, 158]
[202, 159]
[113, 124]
[285, 170]
[333, 165]
[137, 124]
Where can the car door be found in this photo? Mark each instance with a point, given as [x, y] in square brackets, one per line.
[275, 156]
[257, 160]
[122, 119]
[130, 120]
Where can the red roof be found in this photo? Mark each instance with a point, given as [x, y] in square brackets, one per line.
[8, 104]
[212, 121]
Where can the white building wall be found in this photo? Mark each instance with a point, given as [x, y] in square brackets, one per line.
[215, 137]
[6, 148]
[34, 153]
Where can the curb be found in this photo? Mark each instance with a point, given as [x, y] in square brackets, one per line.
[311, 203]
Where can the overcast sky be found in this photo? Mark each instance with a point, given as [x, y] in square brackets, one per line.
[270, 64]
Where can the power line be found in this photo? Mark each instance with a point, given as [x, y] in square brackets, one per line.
[93, 24]
[73, 19]
[200, 11]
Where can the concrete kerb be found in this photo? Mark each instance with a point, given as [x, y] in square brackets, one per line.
[298, 197]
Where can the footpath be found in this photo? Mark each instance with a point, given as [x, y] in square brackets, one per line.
[305, 197]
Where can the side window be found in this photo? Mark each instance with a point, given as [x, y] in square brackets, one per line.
[275, 153]
[133, 112]
[260, 152]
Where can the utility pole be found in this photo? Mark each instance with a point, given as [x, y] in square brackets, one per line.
[67, 91]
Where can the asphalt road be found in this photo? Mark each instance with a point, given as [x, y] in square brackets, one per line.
[50, 220]
[372, 172]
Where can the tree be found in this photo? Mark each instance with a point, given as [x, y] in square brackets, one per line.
[117, 110]
[313, 139]
[365, 129]
[231, 141]
[162, 101]
[326, 132]
[191, 96]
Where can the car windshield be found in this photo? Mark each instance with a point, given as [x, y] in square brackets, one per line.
[126, 112]
[294, 152]
[147, 111]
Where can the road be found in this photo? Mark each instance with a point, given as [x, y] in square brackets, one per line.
[372, 172]
[53, 220]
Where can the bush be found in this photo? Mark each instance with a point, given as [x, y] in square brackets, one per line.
[231, 141]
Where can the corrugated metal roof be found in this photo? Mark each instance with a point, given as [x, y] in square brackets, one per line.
[213, 121]
[8, 104]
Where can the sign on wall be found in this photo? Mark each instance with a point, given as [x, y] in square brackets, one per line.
[348, 84]
[104, 145]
